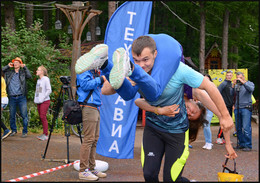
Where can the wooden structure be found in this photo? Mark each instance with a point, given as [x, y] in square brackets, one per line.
[76, 14]
[213, 58]
[190, 63]
[85, 48]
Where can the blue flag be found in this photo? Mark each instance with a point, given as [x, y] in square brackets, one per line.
[118, 117]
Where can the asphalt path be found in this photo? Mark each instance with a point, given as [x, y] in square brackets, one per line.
[23, 156]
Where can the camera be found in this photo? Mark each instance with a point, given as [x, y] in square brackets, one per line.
[238, 82]
[65, 79]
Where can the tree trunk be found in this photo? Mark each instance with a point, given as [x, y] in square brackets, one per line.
[45, 25]
[233, 63]
[111, 8]
[225, 40]
[202, 38]
[189, 36]
[76, 47]
[234, 49]
[76, 53]
[78, 23]
[29, 15]
[93, 22]
[9, 15]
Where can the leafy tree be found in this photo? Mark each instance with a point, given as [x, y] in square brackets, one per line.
[8, 9]
[31, 46]
[243, 30]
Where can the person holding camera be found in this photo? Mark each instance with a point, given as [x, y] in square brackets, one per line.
[243, 91]
[90, 81]
[17, 90]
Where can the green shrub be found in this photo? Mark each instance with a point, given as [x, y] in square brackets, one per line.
[34, 122]
[31, 46]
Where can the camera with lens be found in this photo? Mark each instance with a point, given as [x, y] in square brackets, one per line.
[238, 82]
[65, 79]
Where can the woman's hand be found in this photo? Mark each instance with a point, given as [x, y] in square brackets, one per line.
[170, 111]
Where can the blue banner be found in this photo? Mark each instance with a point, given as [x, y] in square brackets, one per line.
[118, 117]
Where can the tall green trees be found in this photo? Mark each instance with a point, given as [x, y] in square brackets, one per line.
[181, 20]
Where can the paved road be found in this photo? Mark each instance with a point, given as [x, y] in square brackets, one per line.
[22, 157]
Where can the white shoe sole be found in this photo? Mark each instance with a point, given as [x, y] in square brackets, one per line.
[82, 178]
[93, 59]
[4, 137]
[118, 72]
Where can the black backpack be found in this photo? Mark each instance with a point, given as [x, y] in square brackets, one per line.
[73, 111]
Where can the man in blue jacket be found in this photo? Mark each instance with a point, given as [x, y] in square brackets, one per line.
[86, 82]
[243, 110]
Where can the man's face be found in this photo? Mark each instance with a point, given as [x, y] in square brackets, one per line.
[240, 76]
[17, 64]
[229, 76]
[193, 110]
[145, 59]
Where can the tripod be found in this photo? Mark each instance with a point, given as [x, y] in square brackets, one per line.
[237, 89]
[65, 90]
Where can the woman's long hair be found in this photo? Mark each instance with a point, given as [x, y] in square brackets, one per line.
[196, 124]
[200, 122]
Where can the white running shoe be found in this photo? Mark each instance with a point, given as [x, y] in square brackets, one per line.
[42, 137]
[209, 146]
[99, 173]
[193, 180]
[94, 59]
[87, 175]
[121, 68]
[219, 141]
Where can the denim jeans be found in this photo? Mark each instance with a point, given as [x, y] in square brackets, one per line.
[243, 126]
[206, 128]
[21, 102]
